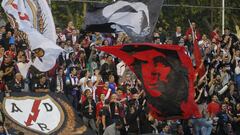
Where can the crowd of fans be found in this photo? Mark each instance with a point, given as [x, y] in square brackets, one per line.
[108, 96]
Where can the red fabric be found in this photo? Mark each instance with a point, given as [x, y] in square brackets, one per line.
[23, 16]
[189, 32]
[213, 108]
[101, 90]
[188, 107]
[2, 86]
[83, 98]
[14, 5]
[10, 53]
[99, 106]
[215, 36]
[200, 69]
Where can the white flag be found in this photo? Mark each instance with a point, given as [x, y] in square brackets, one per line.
[46, 14]
[41, 17]
[45, 51]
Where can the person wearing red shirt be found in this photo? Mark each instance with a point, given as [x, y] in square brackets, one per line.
[99, 105]
[215, 37]
[122, 97]
[194, 29]
[99, 108]
[3, 86]
[214, 107]
[104, 90]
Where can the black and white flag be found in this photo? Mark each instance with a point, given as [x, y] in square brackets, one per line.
[137, 18]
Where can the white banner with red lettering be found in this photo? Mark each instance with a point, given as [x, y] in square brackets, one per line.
[42, 114]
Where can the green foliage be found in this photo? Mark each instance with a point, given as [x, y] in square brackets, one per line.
[170, 17]
[205, 18]
[64, 12]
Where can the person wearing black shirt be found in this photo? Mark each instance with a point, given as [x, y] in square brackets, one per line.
[89, 110]
[115, 108]
[146, 122]
[72, 85]
[8, 68]
[177, 36]
[5, 40]
[132, 119]
[42, 85]
[201, 97]
[230, 36]
[105, 115]
[224, 118]
[58, 82]
[236, 120]
[17, 85]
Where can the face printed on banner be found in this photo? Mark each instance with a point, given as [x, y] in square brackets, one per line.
[126, 15]
[163, 77]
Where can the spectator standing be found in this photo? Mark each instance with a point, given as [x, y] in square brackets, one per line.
[177, 36]
[236, 119]
[224, 118]
[193, 31]
[73, 87]
[89, 110]
[58, 83]
[114, 129]
[68, 31]
[214, 107]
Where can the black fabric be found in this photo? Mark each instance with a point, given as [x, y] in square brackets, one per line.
[16, 86]
[86, 107]
[131, 118]
[166, 74]
[41, 86]
[117, 17]
[6, 67]
[176, 88]
[53, 84]
[105, 112]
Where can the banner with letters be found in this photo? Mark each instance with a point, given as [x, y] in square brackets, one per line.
[38, 113]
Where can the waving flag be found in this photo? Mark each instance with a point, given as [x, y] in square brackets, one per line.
[166, 73]
[44, 51]
[200, 68]
[136, 18]
[41, 17]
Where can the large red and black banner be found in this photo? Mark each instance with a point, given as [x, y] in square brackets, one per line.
[167, 75]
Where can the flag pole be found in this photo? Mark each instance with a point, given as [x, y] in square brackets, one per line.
[84, 8]
[223, 16]
[193, 35]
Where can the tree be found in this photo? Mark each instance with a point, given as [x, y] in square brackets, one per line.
[204, 17]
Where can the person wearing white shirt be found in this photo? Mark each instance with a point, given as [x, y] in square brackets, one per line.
[121, 68]
[237, 74]
[92, 87]
[83, 80]
[73, 87]
[96, 75]
[237, 69]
